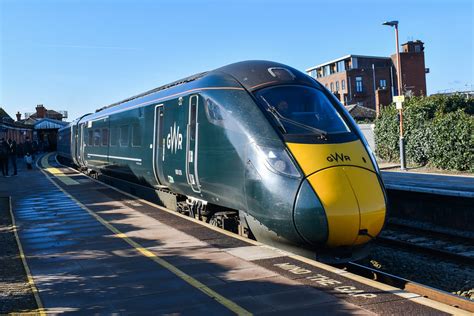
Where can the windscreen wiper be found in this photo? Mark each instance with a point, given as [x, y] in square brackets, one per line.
[322, 134]
[276, 116]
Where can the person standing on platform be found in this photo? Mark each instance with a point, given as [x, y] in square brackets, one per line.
[12, 154]
[28, 147]
[4, 157]
[28, 161]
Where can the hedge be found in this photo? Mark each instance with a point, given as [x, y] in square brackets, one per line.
[438, 131]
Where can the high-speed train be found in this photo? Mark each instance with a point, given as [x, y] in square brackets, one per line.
[255, 142]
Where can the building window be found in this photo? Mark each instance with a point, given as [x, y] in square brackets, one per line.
[332, 86]
[136, 136]
[354, 63]
[326, 70]
[343, 84]
[359, 87]
[124, 135]
[383, 83]
[337, 85]
[417, 49]
[105, 137]
[341, 66]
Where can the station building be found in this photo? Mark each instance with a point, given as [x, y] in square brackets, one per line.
[371, 81]
[41, 126]
[17, 131]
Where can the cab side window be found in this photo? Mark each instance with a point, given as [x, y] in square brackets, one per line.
[214, 112]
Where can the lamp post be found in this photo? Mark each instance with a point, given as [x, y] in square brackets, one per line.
[399, 102]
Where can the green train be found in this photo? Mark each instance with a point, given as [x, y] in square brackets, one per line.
[257, 143]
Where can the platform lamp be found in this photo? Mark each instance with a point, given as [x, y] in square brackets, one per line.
[399, 85]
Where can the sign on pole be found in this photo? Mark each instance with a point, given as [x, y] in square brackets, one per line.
[399, 99]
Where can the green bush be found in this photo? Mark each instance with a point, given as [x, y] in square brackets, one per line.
[438, 131]
[453, 147]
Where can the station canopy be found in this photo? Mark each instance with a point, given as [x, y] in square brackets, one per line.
[48, 123]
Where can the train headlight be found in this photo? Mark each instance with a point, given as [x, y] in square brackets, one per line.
[278, 161]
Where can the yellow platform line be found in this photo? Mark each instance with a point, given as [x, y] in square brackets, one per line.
[56, 172]
[145, 252]
[31, 282]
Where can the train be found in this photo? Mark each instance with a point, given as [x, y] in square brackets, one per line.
[257, 146]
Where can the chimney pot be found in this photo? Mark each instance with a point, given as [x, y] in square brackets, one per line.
[18, 116]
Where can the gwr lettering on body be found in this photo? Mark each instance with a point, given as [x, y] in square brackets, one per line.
[338, 157]
[174, 140]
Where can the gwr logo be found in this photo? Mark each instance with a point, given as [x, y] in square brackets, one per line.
[338, 157]
[174, 140]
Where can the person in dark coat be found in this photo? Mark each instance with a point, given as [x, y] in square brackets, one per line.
[27, 146]
[12, 154]
[4, 157]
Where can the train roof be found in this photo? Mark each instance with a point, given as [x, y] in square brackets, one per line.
[251, 75]
[257, 74]
[164, 87]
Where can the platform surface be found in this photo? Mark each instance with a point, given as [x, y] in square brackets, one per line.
[93, 249]
[451, 185]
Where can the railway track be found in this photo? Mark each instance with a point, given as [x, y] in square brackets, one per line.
[410, 286]
[426, 241]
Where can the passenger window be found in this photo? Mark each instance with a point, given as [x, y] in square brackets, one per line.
[136, 136]
[105, 137]
[97, 137]
[90, 138]
[124, 135]
[113, 136]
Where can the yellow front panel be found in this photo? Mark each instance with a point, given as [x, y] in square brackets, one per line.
[335, 193]
[371, 201]
[314, 157]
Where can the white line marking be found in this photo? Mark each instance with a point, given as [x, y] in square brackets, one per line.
[115, 157]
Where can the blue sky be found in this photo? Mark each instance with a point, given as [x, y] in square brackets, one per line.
[79, 55]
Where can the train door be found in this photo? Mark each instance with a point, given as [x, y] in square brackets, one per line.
[192, 144]
[159, 142]
[81, 144]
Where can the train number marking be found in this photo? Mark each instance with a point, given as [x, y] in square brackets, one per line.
[323, 280]
[336, 157]
[174, 140]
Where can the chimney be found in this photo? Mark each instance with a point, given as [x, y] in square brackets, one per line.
[18, 116]
[40, 111]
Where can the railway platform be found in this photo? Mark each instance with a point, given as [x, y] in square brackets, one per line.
[91, 248]
[439, 184]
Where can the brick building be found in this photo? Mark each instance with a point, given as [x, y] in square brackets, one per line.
[371, 81]
[17, 131]
[42, 112]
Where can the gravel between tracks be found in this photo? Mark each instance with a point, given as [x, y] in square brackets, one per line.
[424, 269]
[15, 292]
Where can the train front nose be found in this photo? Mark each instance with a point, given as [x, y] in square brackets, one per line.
[353, 202]
[347, 194]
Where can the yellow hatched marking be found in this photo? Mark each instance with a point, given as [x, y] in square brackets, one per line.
[31, 281]
[145, 252]
[56, 172]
